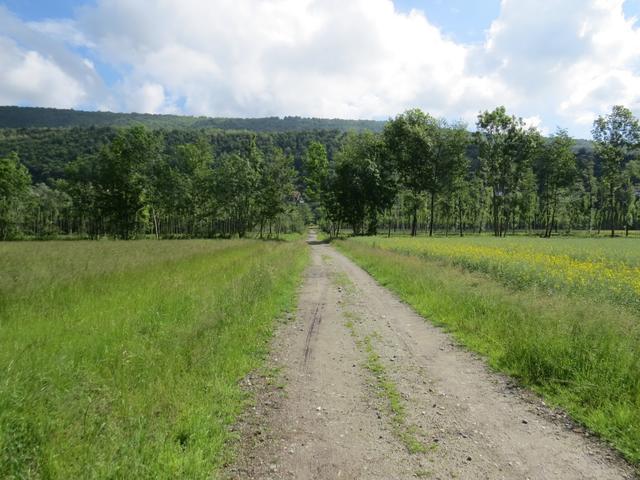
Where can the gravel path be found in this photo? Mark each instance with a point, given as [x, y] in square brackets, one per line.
[323, 411]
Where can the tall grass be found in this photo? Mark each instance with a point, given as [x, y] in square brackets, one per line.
[122, 360]
[580, 354]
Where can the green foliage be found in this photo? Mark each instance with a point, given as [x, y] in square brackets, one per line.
[429, 155]
[120, 181]
[363, 183]
[14, 190]
[124, 359]
[275, 189]
[315, 171]
[616, 136]
[236, 182]
[506, 149]
[47, 152]
[556, 171]
[180, 187]
[143, 182]
[47, 210]
[419, 173]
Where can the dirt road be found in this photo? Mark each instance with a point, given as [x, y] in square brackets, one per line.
[362, 387]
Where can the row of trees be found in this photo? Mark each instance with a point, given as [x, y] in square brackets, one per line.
[132, 186]
[419, 171]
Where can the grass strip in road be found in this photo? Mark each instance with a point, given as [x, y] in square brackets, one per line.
[132, 371]
[386, 388]
[581, 355]
[388, 392]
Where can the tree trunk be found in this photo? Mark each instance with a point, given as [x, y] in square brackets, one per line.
[553, 218]
[155, 222]
[496, 219]
[460, 217]
[612, 214]
[414, 222]
[431, 213]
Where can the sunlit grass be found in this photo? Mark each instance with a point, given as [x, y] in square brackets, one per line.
[122, 359]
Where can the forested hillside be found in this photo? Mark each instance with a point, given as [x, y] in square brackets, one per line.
[29, 117]
[47, 152]
[418, 173]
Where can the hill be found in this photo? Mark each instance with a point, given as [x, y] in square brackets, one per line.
[31, 117]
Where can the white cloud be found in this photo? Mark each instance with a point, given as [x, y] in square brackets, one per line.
[148, 98]
[324, 58]
[565, 61]
[27, 75]
[64, 30]
[552, 62]
[39, 69]
[536, 122]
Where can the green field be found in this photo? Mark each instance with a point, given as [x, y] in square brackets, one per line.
[561, 315]
[123, 359]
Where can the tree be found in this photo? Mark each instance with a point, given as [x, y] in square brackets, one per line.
[120, 182]
[408, 139]
[631, 194]
[452, 166]
[556, 172]
[172, 187]
[616, 136]
[429, 155]
[275, 188]
[315, 170]
[14, 190]
[80, 185]
[236, 180]
[364, 183]
[46, 208]
[506, 149]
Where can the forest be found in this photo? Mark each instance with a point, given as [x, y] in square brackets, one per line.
[418, 173]
[38, 117]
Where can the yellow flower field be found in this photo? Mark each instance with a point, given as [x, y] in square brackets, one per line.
[607, 269]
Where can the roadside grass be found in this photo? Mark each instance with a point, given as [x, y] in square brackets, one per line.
[580, 354]
[123, 359]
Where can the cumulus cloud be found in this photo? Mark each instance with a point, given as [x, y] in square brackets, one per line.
[566, 61]
[326, 58]
[28, 76]
[551, 62]
[38, 68]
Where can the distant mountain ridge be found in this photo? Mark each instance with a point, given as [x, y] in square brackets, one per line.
[38, 117]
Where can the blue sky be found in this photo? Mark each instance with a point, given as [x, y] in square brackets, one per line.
[41, 9]
[464, 20]
[553, 63]
[467, 20]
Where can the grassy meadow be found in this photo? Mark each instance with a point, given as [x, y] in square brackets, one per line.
[123, 359]
[561, 315]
